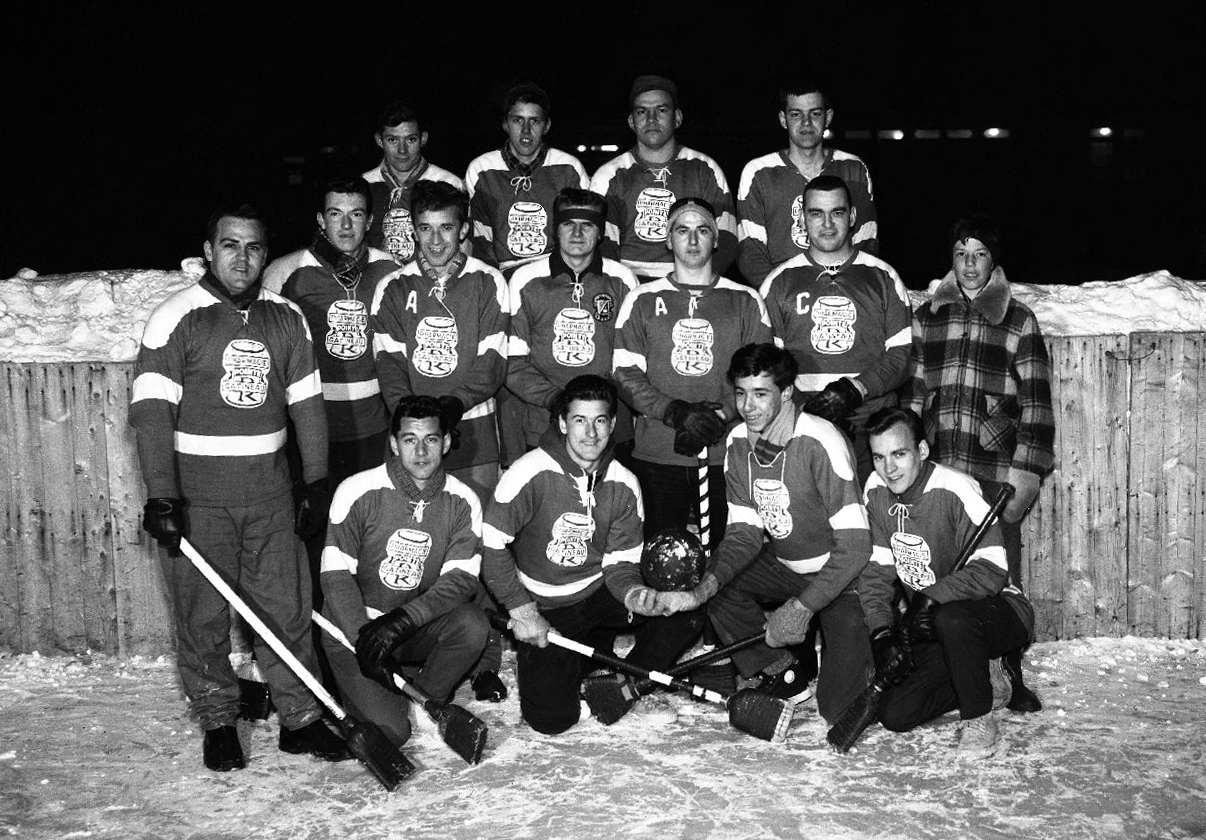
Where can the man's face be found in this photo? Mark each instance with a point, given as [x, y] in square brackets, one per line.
[828, 218]
[897, 458]
[692, 239]
[972, 263]
[587, 428]
[237, 254]
[403, 145]
[577, 239]
[759, 400]
[526, 124]
[420, 446]
[806, 118]
[439, 235]
[654, 118]
[345, 220]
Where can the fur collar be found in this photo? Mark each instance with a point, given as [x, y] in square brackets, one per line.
[992, 302]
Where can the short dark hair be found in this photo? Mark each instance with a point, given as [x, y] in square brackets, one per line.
[826, 183]
[346, 186]
[757, 359]
[532, 94]
[894, 415]
[801, 87]
[588, 387]
[246, 210]
[979, 226]
[396, 113]
[416, 407]
[434, 196]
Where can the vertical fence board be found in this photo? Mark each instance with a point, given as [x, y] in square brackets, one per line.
[92, 502]
[10, 589]
[1149, 422]
[33, 578]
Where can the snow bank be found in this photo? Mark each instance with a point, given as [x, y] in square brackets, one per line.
[99, 316]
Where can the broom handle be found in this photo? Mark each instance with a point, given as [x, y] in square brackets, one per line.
[339, 636]
[705, 513]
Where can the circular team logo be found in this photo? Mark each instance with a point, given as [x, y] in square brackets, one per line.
[570, 533]
[398, 232]
[605, 306]
[912, 556]
[573, 338]
[833, 318]
[435, 346]
[799, 234]
[526, 235]
[245, 384]
[652, 209]
[692, 352]
[405, 557]
[347, 329]
[772, 500]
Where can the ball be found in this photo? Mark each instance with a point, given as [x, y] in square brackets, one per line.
[673, 560]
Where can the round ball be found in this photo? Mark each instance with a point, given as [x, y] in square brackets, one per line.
[673, 560]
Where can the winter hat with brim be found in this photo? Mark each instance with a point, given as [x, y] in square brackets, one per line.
[700, 206]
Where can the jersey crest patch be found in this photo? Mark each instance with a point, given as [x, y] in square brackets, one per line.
[573, 338]
[435, 346]
[774, 506]
[833, 318]
[405, 556]
[247, 364]
[692, 352]
[526, 222]
[347, 329]
[605, 306]
[912, 555]
[570, 533]
[652, 211]
[398, 232]
[799, 234]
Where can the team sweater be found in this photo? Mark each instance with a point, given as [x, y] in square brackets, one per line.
[555, 534]
[391, 545]
[804, 501]
[675, 342]
[917, 538]
[213, 389]
[512, 213]
[393, 228]
[770, 203]
[854, 321]
[445, 338]
[639, 196]
[343, 341]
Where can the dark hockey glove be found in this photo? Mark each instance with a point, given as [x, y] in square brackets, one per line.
[313, 509]
[163, 519]
[893, 660]
[839, 399]
[696, 425]
[377, 643]
[918, 621]
[451, 412]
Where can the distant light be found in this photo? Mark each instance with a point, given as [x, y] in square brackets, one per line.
[958, 134]
[927, 134]
[609, 147]
[890, 134]
[581, 147]
[328, 150]
[996, 133]
[827, 134]
[1104, 131]
[858, 134]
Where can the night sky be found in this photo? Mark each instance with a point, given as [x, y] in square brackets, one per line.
[125, 124]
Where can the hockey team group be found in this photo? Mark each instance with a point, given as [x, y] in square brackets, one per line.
[468, 406]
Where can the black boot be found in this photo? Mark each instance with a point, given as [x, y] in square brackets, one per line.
[314, 739]
[222, 750]
[1023, 699]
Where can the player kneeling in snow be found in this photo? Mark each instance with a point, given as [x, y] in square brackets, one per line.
[400, 570]
[944, 653]
[561, 550]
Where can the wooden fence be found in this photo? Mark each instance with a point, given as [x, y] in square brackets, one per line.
[1114, 544]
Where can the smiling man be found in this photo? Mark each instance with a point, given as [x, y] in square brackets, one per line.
[642, 184]
[844, 314]
[945, 653]
[770, 192]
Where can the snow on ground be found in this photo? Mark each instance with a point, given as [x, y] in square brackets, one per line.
[102, 747]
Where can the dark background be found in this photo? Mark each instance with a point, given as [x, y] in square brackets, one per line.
[125, 124]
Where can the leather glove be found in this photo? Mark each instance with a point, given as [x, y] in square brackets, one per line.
[528, 625]
[313, 509]
[918, 622]
[163, 519]
[1026, 488]
[788, 625]
[377, 642]
[836, 402]
[893, 660]
[696, 424]
[451, 412]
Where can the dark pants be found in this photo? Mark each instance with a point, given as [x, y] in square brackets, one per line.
[846, 663]
[444, 649]
[255, 550]
[549, 677]
[952, 673]
[671, 496]
[1011, 535]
